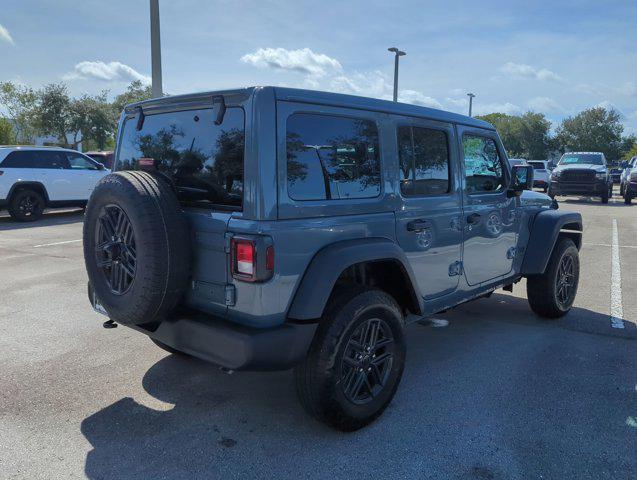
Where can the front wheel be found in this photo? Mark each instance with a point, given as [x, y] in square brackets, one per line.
[355, 362]
[551, 294]
[605, 197]
[628, 199]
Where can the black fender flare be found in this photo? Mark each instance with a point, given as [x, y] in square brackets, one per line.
[546, 227]
[317, 283]
[27, 183]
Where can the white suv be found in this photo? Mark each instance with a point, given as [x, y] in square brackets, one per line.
[541, 174]
[33, 178]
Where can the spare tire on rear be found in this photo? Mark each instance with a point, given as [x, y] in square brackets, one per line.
[136, 247]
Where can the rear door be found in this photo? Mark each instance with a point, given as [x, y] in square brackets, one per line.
[491, 220]
[428, 222]
[205, 163]
[49, 168]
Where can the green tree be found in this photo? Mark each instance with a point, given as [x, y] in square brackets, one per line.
[135, 92]
[525, 136]
[19, 102]
[53, 112]
[595, 129]
[91, 121]
[7, 135]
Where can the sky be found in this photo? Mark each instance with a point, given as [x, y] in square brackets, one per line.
[554, 57]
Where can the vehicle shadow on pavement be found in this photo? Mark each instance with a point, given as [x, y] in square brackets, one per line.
[50, 218]
[619, 202]
[498, 393]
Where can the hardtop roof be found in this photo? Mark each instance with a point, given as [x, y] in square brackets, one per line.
[324, 98]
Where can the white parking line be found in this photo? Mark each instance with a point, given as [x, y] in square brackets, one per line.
[616, 308]
[56, 243]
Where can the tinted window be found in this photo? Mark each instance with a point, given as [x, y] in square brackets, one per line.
[537, 165]
[36, 159]
[331, 157]
[424, 161]
[78, 162]
[204, 160]
[484, 169]
[18, 160]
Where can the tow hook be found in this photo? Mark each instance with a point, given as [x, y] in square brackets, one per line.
[109, 324]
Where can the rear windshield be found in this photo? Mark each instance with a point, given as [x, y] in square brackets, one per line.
[581, 159]
[204, 161]
[537, 165]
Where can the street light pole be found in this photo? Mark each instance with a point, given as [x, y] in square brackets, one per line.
[155, 49]
[397, 53]
[470, 95]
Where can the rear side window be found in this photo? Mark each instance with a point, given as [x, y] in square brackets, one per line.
[203, 160]
[424, 161]
[330, 157]
[484, 168]
[36, 159]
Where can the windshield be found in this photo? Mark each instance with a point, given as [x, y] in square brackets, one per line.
[581, 159]
[203, 161]
[537, 165]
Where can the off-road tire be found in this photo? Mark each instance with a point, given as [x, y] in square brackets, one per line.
[604, 197]
[167, 348]
[542, 289]
[162, 246]
[628, 199]
[15, 205]
[319, 379]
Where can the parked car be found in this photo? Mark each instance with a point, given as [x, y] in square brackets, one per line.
[33, 178]
[541, 174]
[630, 185]
[581, 173]
[616, 174]
[292, 228]
[627, 167]
[104, 157]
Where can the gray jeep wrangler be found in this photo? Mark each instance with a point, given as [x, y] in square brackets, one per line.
[270, 228]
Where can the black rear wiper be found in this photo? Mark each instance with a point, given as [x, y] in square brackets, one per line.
[140, 118]
[219, 100]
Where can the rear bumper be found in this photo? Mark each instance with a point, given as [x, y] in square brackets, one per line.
[230, 345]
[572, 188]
[234, 346]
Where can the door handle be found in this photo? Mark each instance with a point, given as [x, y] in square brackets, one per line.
[417, 225]
[473, 219]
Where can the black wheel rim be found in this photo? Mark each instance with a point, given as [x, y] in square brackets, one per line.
[115, 249]
[367, 361]
[565, 282]
[29, 205]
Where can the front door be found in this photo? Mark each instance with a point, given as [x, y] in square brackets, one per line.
[490, 215]
[428, 222]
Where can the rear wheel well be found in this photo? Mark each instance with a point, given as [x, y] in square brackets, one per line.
[387, 275]
[36, 187]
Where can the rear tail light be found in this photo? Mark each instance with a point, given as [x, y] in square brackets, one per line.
[252, 259]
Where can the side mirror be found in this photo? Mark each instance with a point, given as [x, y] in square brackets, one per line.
[521, 179]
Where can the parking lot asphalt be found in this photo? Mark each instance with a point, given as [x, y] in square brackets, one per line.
[496, 394]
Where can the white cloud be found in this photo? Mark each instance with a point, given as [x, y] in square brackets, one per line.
[508, 108]
[5, 36]
[544, 104]
[629, 89]
[418, 98]
[527, 71]
[372, 84]
[108, 72]
[302, 60]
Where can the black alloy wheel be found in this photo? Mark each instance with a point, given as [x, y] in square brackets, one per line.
[115, 249]
[565, 285]
[367, 361]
